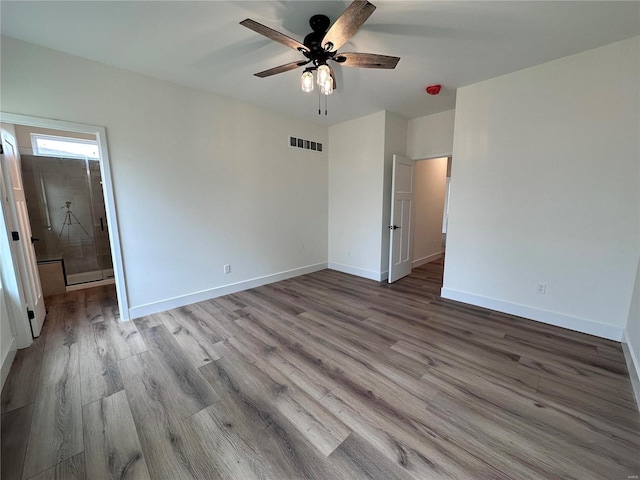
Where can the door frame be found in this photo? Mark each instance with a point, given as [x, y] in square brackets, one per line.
[107, 190]
[390, 197]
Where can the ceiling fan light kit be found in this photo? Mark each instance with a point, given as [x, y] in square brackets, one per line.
[323, 74]
[322, 45]
[326, 88]
[306, 81]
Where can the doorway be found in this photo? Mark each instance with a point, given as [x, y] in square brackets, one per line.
[430, 207]
[105, 243]
[425, 223]
[63, 187]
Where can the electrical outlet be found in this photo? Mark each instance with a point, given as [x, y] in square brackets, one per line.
[541, 288]
[227, 268]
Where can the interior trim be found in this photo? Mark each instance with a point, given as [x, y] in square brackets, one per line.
[633, 365]
[359, 272]
[429, 258]
[188, 299]
[577, 324]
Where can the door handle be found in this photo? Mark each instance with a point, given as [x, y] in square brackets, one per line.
[34, 239]
[393, 227]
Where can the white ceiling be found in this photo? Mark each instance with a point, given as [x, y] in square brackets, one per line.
[201, 45]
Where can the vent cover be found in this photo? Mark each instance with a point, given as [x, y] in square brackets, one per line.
[305, 144]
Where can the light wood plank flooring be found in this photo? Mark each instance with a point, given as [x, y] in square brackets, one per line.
[325, 376]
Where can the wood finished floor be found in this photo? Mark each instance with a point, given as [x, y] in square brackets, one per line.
[325, 376]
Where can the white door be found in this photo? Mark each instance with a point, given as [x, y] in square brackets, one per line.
[10, 278]
[17, 209]
[401, 211]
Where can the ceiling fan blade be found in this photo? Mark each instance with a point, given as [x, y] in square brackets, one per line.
[333, 77]
[273, 34]
[348, 24]
[366, 60]
[281, 69]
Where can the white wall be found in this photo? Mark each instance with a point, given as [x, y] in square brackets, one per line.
[200, 180]
[631, 340]
[545, 188]
[360, 169]
[431, 136]
[356, 179]
[430, 178]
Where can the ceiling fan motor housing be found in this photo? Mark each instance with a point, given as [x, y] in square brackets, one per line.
[317, 53]
[319, 23]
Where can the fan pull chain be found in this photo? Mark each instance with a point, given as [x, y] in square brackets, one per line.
[320, 104]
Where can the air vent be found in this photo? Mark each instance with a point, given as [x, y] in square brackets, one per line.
[305, 144]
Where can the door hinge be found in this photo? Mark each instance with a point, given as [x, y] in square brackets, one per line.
[15, 236]
[30, 314]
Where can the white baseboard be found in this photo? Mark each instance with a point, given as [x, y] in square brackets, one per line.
[379, 276]
[97, 283]
[181, 301]
[359, 272]
[429, 258]
[7, 361]
[633, 365]
[552, 318]
[84, 277]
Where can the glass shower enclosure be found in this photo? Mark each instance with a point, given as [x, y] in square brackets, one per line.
[68, 218]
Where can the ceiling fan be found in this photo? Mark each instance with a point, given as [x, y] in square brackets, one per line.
[322, 45]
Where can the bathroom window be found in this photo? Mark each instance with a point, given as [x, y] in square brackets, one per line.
[50, 145]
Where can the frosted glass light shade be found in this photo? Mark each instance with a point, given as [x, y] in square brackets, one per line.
[327, 87]
[306, 82]
[323, 74]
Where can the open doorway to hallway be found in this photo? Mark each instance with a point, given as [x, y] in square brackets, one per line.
[430, 210]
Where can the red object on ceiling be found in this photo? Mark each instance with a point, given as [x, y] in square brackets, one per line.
[434, 89]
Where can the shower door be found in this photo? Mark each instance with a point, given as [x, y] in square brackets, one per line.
[100, 226]
[67, 214]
